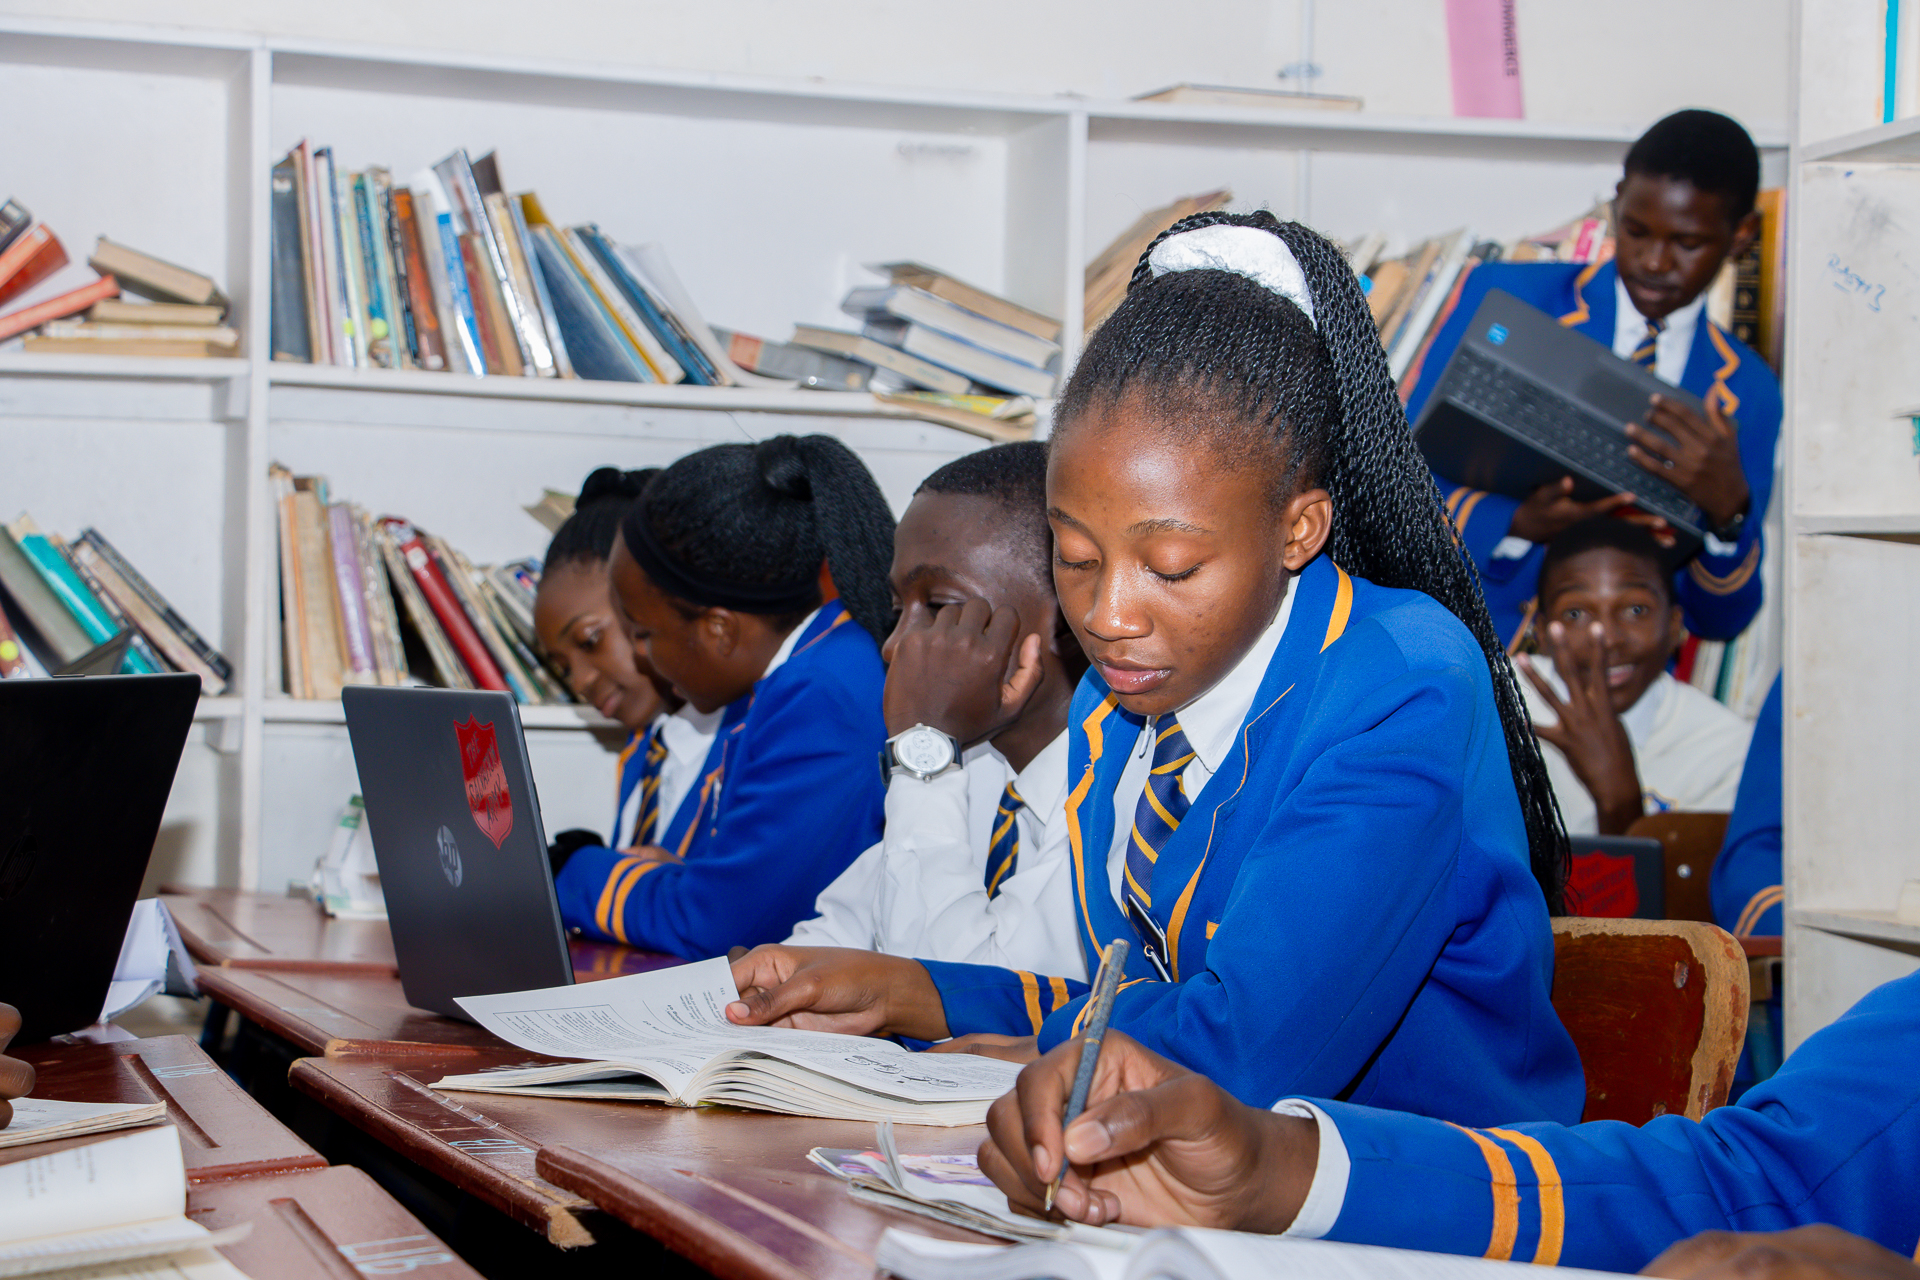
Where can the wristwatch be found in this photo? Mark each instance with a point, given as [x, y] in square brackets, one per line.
[922, 752]
[1730, 531]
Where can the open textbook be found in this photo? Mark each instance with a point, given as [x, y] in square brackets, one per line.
[949, 1189]
[44, 1119]
[115, 1202]
[1190, 1253]
[664, 1037]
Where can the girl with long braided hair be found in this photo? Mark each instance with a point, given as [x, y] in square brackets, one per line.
[1304, 789]
[752, 578]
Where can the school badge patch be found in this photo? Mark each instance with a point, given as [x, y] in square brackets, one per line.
[486, 780]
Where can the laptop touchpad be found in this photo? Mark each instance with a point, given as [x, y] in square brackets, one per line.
[1615, 397]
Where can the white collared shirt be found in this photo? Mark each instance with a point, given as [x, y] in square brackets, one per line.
[1332, 1170]
[921, 891]
[1687, 748]
[1211, 722]
[1676, 340]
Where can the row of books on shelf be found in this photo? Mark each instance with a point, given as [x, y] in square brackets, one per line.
[376, 600]
[65, 601]
[1409, 293]
[452, 273]
[183, 313]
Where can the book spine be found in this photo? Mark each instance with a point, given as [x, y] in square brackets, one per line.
[54, 308]
[302, 163]
[461, 300]
[429, 340]
[390, 655]
[138, 650]
[380, 327]
[595, 347]
[394, 253]
[419, 616]
[662, 365]
[517, 285]
[325, 641]
[115, 591]
[158, 603]
[642, 303]
[292, 641]
[66, 586]
[459, 579]
[313, 227]
[30, 260]
[446, 608]
[352, 592]
[353, 272]
[332, 269]
[489, 313]
[13, 658]
[14, 221]
[393, 298]
[289, 337]
[562, 362]
[456, 172]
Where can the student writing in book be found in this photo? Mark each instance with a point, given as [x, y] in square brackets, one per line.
[981, 668]
[1303, 779]
[753, 578]
[581, 634]
[1684, 206]
[1623, 738]
[1833, 1137]
[16, 1077]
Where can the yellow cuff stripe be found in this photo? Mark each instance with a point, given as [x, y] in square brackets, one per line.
[1506, 1196]
[620, 899]
[1553, 1205]
[1756, 907]
[603, 908]
[1030, 985]
[1466, 513]
[1059, 986]
[1732, 582]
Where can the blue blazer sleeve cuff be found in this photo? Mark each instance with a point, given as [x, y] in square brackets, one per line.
[1013, 1002]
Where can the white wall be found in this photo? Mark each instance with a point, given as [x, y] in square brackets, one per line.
[1627, 61]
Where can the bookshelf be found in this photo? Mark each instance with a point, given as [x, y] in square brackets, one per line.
[769, 194]
[1853, 509]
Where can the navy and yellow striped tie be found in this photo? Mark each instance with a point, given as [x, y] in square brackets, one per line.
[1647, 354]
[1163, 803]
[645, 829]
[1004, 851]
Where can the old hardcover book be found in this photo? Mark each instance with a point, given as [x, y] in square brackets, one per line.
[66, 304]
[288, 335]
[151, 277]
[975, 299]
[30, 259]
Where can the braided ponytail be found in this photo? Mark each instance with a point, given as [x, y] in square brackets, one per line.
[767, 515]
[1326, 399]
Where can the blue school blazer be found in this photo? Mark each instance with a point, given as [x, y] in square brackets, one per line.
[1746, 882]
[1833, 1136]
[1348, 905]
[1718, 594]
[789, 795]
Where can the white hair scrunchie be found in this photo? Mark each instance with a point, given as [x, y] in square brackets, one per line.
[1260, 256]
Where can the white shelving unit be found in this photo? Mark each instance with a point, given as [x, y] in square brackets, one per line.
[1853, 507]
[769, 194]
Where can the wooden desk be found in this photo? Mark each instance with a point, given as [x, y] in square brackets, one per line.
[328, 1224]
[224, 1134]
[225, 928]
[731, 1190]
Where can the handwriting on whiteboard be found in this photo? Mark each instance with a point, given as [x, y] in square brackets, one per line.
[1847, 280]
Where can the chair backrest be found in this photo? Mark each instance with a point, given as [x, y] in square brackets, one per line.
[1692, 842]
[1657, 1009]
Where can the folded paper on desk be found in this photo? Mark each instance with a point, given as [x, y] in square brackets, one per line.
[116, 1201]
[664, 1037]
[949, 1189]
[44, 1119]
[1188, 1253]
[152, 959]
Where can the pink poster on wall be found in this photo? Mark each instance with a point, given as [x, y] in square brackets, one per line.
[1483, 45]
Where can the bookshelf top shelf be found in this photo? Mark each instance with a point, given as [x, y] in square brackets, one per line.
[148, 368]
[1898, 142]
[852, 404]
[1897, 527]
[1876, 926]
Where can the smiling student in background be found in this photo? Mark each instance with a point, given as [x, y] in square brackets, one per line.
[753, 579]
[1684, 206]
[1623, 738]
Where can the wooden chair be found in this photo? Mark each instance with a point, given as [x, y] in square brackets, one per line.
[1657, 1009]
[1692, 842]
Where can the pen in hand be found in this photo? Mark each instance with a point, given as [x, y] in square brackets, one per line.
[1113, 965]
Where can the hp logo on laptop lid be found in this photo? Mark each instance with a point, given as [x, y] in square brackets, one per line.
[449, 856]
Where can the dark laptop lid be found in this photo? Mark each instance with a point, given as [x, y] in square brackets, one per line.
[456, 831]
[1617, 876]
[85, 770]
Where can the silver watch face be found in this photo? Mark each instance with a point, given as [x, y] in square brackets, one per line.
[923, 750]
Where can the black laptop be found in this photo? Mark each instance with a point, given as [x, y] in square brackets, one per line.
[1525, 401]
[85, 769]
[1617, 876]
[456, 832]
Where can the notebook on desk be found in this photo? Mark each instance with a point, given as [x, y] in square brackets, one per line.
[456, 832]
[85, 770]
[1525, 401]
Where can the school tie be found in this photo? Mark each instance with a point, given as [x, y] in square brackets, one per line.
[1647, 354]
[644, 830]
[1004, 851]
[1163, 803]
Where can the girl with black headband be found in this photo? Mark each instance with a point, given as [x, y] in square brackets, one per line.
[753, 579]
[1304, 785]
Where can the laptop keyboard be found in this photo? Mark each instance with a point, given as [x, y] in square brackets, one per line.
[1558, 427]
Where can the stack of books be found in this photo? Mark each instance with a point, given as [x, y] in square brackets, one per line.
[925, 330]
[450, 273]
[1108, 274]
[62, 600]
[368, 600]
[184, 316]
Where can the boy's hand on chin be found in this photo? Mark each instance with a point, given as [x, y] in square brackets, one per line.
[1589, 732]
[859, 993]
[964, 669]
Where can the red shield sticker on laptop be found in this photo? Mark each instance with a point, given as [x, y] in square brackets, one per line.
[486, 780]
